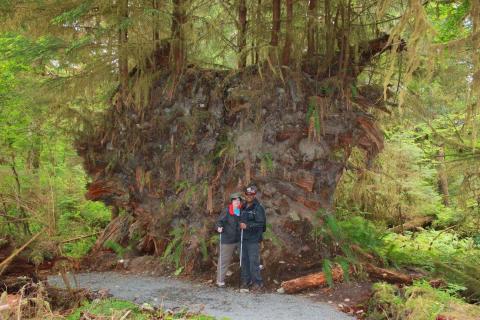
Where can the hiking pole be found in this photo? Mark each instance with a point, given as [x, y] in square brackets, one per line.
[241, 247]
[220, 260]
[241, 254]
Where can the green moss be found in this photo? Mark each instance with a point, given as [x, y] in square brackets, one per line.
[110, 308]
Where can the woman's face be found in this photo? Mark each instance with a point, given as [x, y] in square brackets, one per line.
[236, 202]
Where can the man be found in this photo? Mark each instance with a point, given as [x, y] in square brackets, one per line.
[253, 224]
[228, 227]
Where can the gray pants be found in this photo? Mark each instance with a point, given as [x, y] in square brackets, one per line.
[224, 259]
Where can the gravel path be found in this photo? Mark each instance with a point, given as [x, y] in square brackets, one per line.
[171, 293]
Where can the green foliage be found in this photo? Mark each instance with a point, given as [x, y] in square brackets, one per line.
[400, 186]
[109, 308]
[313, 114]
[116, 309]
[116, 247]
[344, 233]
[417, 302]
[269, 235]
[173, 251]
[43, 181]
[266, 163]
[443, 254]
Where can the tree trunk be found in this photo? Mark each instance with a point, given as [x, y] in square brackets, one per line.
[21, 210]
[156, 27]
[123, 48]
[242, 34]
[329, 33]
[276, 11]
[311, 27]
[442, 177]
[288, 34]
[178, 20]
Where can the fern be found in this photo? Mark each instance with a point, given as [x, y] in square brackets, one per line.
[115, 247]
[327, 270]
[204, 249]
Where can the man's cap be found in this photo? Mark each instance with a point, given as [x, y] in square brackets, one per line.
[235, 195]
[251, 190]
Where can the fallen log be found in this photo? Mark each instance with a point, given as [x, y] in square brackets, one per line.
[412, 224]
[387, 275]
[4, 264]
[311, 281]
[319, 279]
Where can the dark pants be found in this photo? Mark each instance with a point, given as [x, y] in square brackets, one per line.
[251, 264]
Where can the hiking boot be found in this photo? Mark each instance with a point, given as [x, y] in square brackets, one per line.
[244, 288]
[258, 288]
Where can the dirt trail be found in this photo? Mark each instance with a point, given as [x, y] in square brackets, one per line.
[173, 293]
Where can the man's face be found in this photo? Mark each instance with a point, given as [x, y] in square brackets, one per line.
[249, 197]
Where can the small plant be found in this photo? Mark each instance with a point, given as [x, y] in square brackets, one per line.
[266, 163]
[173, 251]
[271, 236]
[116, 247]
[314, 118]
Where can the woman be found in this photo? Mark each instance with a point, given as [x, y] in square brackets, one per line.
[228, 227]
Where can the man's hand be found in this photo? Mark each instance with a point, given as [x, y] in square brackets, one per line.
[220, 229]
[243, 225]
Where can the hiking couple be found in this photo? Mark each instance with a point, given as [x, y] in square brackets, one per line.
[242, 225]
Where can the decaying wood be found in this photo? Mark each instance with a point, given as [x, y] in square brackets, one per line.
[318, 279]
[388, 275]
[4, 264]
[311, 281]
[413, 224]
[80, 237]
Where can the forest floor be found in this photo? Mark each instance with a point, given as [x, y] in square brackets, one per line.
[174, 293]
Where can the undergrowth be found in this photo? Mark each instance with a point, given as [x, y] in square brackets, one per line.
[418, 302]
[119, 309]
[437, 254]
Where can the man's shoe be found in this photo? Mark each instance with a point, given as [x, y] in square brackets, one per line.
[258, 288]
[244, 288]
[221, 284]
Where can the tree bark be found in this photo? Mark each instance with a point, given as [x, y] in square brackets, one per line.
[156, 31]
[178, 20]
[329, 36]
[311, 281]
[275, 23]
[123, 48]
[23, 214]
[387, 275]
[442, 176]
[311, 28]
[288, 34]
[276, 11]
[242, 33]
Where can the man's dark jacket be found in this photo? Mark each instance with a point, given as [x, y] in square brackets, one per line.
[230, 225]
[255, 219]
